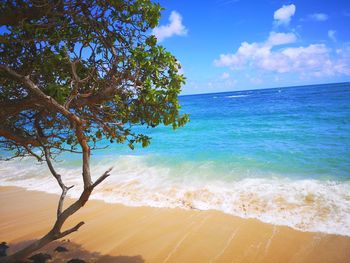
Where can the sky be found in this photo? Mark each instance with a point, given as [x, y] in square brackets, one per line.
[229, 45]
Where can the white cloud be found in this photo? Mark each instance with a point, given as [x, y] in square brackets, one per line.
[318, 17]
[284, 14]
[314, 59]
[249, 53]
[175, 27]
[277, 55]
[224, 75]
[276, 39]
[331, 35]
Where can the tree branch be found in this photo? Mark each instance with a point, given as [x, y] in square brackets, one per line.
[54, 105]
[57, 176]
[45, 99]
[32, 153]
[55, 233]
[102, 177]
[71, 230]
[17, 16]
[14, 107]
[75, 83]
[20, 139]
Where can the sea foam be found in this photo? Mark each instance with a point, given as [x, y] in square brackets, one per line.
[236, 96]
[307, 205]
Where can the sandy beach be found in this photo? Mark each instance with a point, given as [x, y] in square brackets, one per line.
[202, 131]
[116, 233]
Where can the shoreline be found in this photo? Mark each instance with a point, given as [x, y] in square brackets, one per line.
[117, 233]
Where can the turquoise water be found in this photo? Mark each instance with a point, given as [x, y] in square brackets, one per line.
[279, 155]
[298, 132]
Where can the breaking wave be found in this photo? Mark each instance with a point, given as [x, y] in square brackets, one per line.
[307, 205]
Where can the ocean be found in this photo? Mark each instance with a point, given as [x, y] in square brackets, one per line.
[279, 155]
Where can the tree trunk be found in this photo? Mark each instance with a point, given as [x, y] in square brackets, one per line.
[55, 233]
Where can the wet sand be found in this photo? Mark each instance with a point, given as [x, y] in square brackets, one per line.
[116, 233]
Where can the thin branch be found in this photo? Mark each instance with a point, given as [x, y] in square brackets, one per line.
[71, 230]
[32, 153]
[74, 83]
[59, 180]
[53, 104]
[45, 99]
[102, 177]
[13, 136]
[57, 176]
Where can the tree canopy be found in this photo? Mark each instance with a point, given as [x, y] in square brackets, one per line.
[95, 60]
[76, 72]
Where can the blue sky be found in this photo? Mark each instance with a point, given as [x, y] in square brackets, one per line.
[227, 45]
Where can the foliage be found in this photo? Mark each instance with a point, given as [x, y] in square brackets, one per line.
[96, 59]
[73, 72]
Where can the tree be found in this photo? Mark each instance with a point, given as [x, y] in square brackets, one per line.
[73, 73]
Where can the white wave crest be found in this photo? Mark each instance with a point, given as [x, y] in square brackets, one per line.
[307, 205]
[236, 96]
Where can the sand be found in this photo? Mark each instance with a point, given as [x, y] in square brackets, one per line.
[116, 233]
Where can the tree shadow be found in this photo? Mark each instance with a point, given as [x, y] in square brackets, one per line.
[75, 251]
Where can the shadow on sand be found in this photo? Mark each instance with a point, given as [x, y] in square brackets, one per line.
[75, 251]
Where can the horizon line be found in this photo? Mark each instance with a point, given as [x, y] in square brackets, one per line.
[294, 86]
